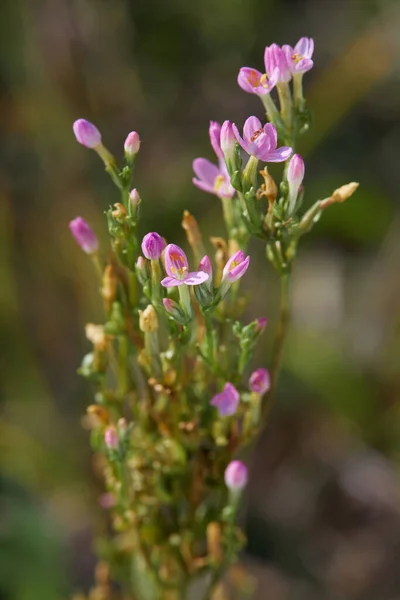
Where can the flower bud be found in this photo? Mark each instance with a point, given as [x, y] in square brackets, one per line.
[226, 401]
[153, 245]
[132, 145]
[175, 311]
[84, 235]
[134, 198]
[142, 270]
[236, 475]
[86, 133]
[148, 321]
[261, 324]
[228, 146]
[259, 381]
[215, 133]
[295, 176]
[111, 438]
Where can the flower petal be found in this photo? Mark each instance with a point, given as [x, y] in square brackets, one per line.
[279, 155]
[244, 144]
[272, 135]
[251, 125]
[196, 277]
[205, 170]
[202, 185]
[304, 47]
[171, 282]
[304, 65]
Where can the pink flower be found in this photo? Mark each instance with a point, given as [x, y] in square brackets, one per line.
[214, 132]
[206, 266]
[261, 141]
[153, 245]
[275, 60]
[177, 267]
[211, 178]
[261, 323]
[84, 235]
[236, 475]
[236, 267]
[254, 82]
[299, 57]
[111, 438]
[226, 401]
[86, 133]
[132, 144]
[295, 176]
[259, 381]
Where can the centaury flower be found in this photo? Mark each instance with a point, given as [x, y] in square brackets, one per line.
[261, 142]
[259, 381]
[254, 82]
[275, 60]
[295, 176]
[84, 235]
[226, 401]
[236, 475]
[177, 267]
[299, 57]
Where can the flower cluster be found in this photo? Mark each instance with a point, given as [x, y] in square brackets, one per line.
[176, 400]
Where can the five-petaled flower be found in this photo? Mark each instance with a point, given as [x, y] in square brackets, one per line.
[235, 267]
[261, 142]
[226, 401]
[210, 177]
[254, 82]
[177, 267]
[299, 57]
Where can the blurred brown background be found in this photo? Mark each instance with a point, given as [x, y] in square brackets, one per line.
[323, 511]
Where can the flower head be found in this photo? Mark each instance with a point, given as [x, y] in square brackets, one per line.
[259, 381]
[261, 323]
[236, 475]
[84, 235]
[226, 401]
[235, 267]
[211, 178]
[299, 57]
[254, 82]
[86, 133]
[152, 245]
[177, 267]
[295, 176]
[276, 64]
[132, 144]
[261, 141]
[214, 132]
[111, 438]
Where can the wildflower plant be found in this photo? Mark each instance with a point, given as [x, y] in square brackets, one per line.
[176, 408]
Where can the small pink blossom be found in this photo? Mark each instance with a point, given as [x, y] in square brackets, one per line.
[254, 82]
[259, 381]
[261, 323]
[111, 438]
[86, 133]
[276, 64]
[206, 266]
[84, 235]
[211, 178]
[177, 267]
[153, 245]
[236, 475]
[235, 267]
[261, 142]
[132, 144]
[295, 176]
[299, 57]
[226, 401]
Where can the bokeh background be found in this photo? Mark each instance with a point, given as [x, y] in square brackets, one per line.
[322, 510]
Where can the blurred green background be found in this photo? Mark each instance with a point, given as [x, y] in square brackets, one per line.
[322, 510]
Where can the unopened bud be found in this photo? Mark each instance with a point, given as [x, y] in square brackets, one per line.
[148, 321]
[236, 475]
[132, 145]
[86, 133]
[142, 270]
[134, 198]
[111, 438]
[175, 311]
[84, 235]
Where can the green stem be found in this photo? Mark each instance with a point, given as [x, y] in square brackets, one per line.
[298, 91]
[227, 208]
[278, 343]
[285, 101]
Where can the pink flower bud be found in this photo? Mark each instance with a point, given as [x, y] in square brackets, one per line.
[261, 324]
[152, 246]
[295, 176]
[134, 198]
[174, 309]
[228, 142]
[86, 133]
[142, 270]
[236, 475]
[259, 381]
[111, 438]
[236, 267]
[275, 58]
[226, 401]
[132, 144]
[215, 133]
[84, 235]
